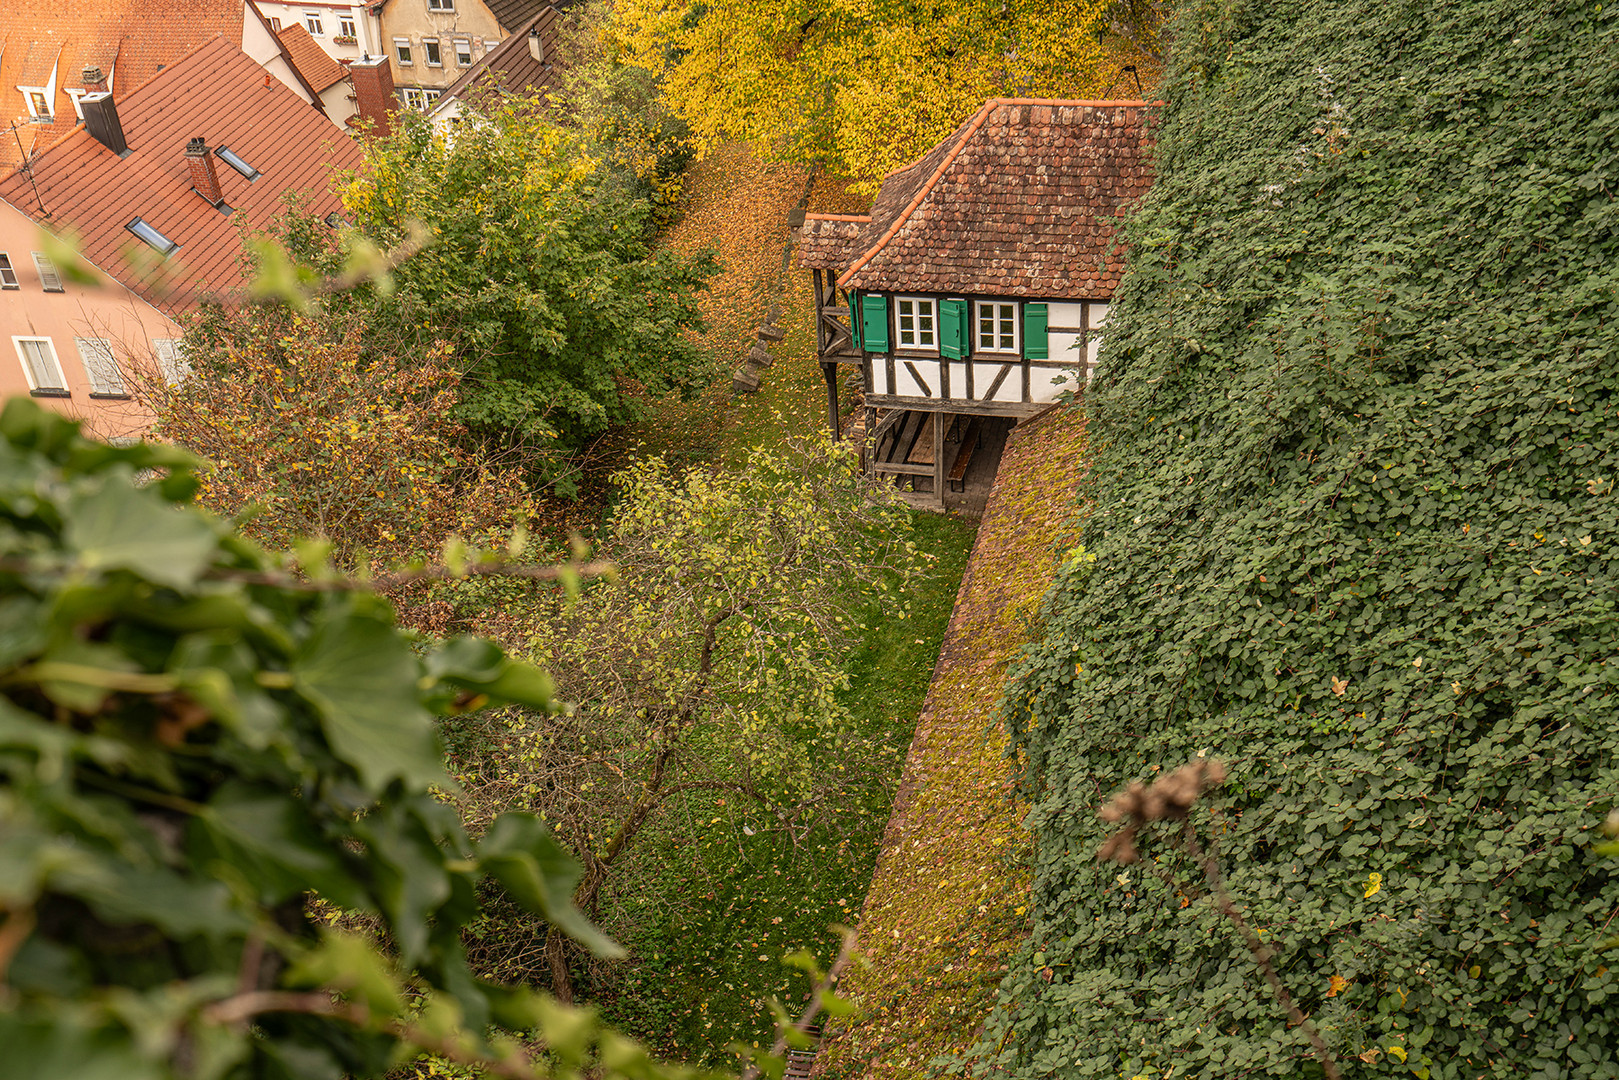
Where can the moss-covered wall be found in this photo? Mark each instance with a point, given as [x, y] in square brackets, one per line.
[949, 898]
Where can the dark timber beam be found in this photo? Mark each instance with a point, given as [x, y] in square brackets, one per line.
[831, 373]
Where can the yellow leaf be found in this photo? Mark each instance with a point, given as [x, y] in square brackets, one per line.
[1374, 885]
[1473, 972]
[1397, 1051]
[1335, 984]
[1339, 686]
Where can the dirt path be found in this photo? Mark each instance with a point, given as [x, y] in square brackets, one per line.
[949, 898]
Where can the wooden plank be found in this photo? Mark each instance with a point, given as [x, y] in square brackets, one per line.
[965, 408]
[938, 458]
[902, 468]
[924, 448]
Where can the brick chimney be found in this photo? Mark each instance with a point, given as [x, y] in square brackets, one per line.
[204, 180]
[95, 81]
[374, 92]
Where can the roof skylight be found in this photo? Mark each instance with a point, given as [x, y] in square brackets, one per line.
[234, 160]
[149, 234]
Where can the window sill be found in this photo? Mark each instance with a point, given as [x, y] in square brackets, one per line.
[109, 397]
[914, 353]
[49, 393]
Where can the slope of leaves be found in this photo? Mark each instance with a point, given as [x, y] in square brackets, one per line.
[947, 904]
[1355, 531]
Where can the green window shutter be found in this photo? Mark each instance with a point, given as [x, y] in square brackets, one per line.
[854, 320]
[874, 324]
[1035, 345]
[953, 328]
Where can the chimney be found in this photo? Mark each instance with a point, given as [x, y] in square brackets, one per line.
[374, 91]
[204, 180]
[536, 45]
[94, 81]
[101, 118]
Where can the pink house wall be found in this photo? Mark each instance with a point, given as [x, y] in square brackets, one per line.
[105, 311]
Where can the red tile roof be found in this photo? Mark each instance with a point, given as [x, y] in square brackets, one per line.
[1017, 202]
[830, 241]
[219, 93]
[510, 69]
[129, 39]
[314, 63]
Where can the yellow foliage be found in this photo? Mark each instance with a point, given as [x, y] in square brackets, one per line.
[863, 87]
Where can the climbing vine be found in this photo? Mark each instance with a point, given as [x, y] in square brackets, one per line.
[1355, 533]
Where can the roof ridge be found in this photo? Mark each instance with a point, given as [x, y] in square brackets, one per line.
[837, 217]
[967, 132]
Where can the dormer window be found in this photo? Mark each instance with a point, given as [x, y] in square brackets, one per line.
[74, 96]
[150, 234]
[234, 160]
[39, 102]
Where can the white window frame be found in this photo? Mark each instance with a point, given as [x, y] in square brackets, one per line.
[346, 26]
[440, 5]
[313, 23]
[171, 360]
[76, 96]
[429, 47]
[462, 47]
[430, 96]
[1004, 316]
[923, 320]
[275, 24]
[47, 353]
[50, 278]
[414, 98]
[8, 272]
[101, 367]
[44, 102]
[402, 55]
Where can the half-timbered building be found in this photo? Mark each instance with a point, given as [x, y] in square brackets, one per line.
[974, 292]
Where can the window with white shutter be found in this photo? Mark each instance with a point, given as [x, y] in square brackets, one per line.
[101, 366]
[49, 279]
[171, 361]
[39, 364]
[8, 273]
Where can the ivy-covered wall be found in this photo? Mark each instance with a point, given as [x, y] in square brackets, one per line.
[1355, 529]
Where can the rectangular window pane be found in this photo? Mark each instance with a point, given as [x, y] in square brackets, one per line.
[402, 50]
[924, 324]
[907, 322]
[312, 22]
[100, 365]
[345, 25]
[986, 326]
[430, 52]
[463, 53]
[1008, 338]
[8, 275]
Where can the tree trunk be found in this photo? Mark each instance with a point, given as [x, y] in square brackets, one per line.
[556, 952]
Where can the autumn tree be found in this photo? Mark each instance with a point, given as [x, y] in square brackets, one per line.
[711, 665]
[311, 436]
[862, 87]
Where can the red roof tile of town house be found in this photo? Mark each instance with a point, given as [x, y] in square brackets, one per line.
[1019, 201]
[130, 40]
[221, 95]
[511, 69]
[314, 63]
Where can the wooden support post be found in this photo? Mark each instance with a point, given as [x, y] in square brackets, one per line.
[939, 469]
[831, 373]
